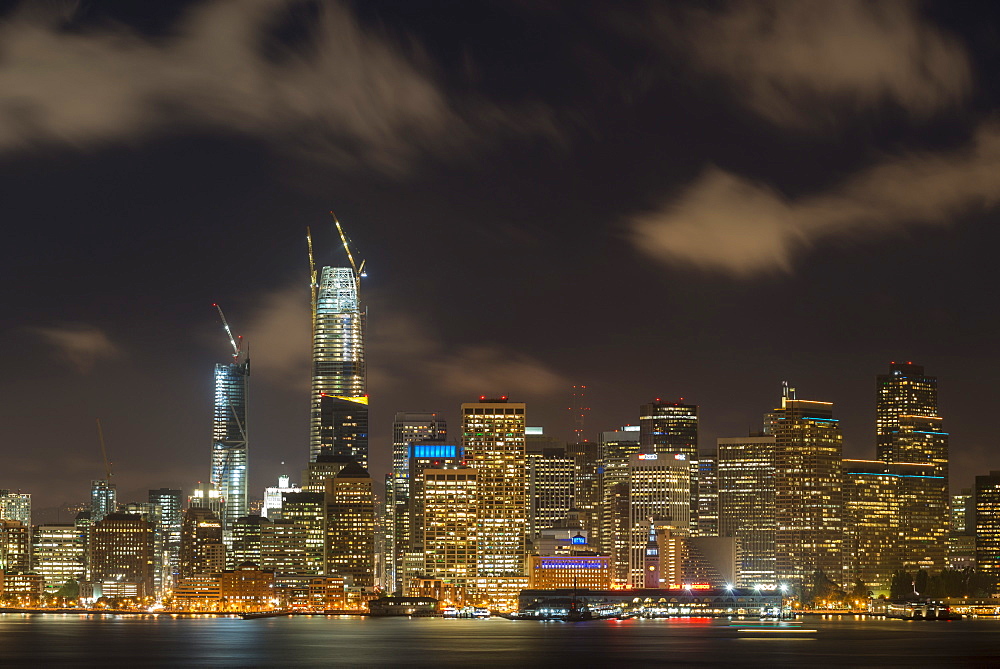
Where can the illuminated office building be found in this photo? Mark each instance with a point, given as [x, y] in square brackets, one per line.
[15, 547]
[338, 351]
[308, 509]
[449, 521]
[283, 548]
[229, 437]
[202, 548]
[207, 496]
[659, 496]
[551, 478]
[15, 506]
[586, 456]
[170, 501]
[121, 557]
[247, 539]
[886, 511]
[58, 554]
[408, 428]
[547, 572]
[616, 447]
[904, 391]
[706, 517]
[808, 496]
[350, 526]
[987, 498]
[103, 499]
[746, 486]
[493, 437]
[273, 495]
[410, 540]
[669, 427]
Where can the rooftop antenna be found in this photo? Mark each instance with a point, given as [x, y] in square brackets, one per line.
[579, 411]
[104, 452]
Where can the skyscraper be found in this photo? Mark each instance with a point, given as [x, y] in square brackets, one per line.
[659, 498]
[229, 435]
[170, 501]
[344, 427]
[988, 527]
[202, 550]
[450, 501]
[672, 427]
[493, 436]
[15, 506]
[350, 525]
[103, 499]
[904, 391]
[746, 485]
[615, 450]
[58, 554]
[408, 428]
[808, 492]
[338, 351]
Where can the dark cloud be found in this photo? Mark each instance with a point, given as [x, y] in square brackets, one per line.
[346, 95]
[78, 344]
[726, 223]
[797, 62]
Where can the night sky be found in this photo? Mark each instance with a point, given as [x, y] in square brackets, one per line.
[653, 199]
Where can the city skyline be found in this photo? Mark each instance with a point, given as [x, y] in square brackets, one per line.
[503, 201]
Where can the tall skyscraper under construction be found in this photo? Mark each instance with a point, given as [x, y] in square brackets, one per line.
[338, 362]
[229, 430]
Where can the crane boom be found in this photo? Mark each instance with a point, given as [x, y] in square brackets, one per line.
[232, 339]
[354, 266]
[104, 452]
[313, 286]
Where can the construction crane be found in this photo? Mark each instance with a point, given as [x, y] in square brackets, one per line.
[313, 284]
[237, 342]
[104, 452]
[358, 269]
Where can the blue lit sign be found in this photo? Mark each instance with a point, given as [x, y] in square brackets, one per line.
[433, 451]
[578, 539]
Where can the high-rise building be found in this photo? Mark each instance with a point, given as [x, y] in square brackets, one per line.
[706, 517]
[272, 497]
[350, 526]
[171, 503]
[229, 436]
[988, 527]
[669, 427]
[450, 502]
[15, 506]
[616, 447]
[248, 533]
[308, 509]
[283, 548]
[207, 496]
[121, 557]
[408, 428]
[338, 349]
[493, 436]
[672, 427]
[659, 497]
[58, 554]
[962, 537]
[586, 456]
[103, 499]
[551, 478]
[746, 484]
[885, 510]
[409, 540]
[15, 547]
[202, 548]
[808, 495]
[904, 391]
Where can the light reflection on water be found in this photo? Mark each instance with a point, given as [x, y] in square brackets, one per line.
[76, 640]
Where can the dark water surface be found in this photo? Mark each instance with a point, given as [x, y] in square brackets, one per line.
[73, 640]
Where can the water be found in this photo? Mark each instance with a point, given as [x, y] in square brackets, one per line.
[74, 640]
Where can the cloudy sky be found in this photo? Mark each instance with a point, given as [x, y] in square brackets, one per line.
[655, 200]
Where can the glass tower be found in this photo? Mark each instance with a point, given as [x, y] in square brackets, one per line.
[338, 349]
[229, 436]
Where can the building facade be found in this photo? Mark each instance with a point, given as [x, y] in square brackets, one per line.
[338, 348]
[230, 436]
